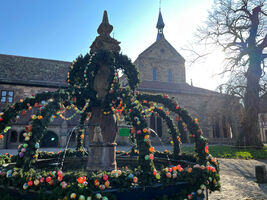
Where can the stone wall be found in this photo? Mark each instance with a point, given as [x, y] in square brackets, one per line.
[207, 109]
[146, 66]
[60, 127]
[208, 106]
[22, 91]
[163, 57]
[263, 126]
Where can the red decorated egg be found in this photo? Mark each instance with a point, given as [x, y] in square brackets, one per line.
[105, 177]
[60, 178]
[30, 183]
[80, 180]
[48, 179]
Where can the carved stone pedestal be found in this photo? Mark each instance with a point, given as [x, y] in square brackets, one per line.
[102, 156]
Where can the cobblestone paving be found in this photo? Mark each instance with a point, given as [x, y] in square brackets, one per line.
[238, 181]
[237, 177]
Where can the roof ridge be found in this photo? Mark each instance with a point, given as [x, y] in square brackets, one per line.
[34, 58]
[182, 87]
[157, 42]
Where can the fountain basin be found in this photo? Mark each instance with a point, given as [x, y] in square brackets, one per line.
[148, 193]
[122, 161]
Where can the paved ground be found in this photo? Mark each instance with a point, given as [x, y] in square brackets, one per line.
[237, 177]
[238, 181]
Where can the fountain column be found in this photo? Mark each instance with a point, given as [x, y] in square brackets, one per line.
[102, 146]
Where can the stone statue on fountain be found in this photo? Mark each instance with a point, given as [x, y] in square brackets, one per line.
[98, 138]
[102, 146]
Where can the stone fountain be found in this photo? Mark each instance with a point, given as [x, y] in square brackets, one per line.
[183, 173]
[102, 146]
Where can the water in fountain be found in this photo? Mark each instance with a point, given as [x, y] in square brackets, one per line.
[65, 149]
[162, 144]
[67, 144]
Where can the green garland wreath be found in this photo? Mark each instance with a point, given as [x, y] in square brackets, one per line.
[80, 80]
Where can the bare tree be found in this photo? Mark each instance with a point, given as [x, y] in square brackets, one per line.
[239, 27]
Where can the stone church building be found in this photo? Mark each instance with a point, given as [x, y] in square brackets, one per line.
[263, 118]
[162, 70]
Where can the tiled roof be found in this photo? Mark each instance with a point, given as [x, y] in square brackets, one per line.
[33, 71]
[177, 88]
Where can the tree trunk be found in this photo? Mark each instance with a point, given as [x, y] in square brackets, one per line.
[250, 132]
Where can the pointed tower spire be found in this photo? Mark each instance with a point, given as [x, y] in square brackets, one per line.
[160, 26]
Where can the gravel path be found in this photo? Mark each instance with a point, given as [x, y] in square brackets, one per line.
[238, 181]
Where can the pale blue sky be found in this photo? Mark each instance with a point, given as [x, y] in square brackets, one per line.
[63, 29]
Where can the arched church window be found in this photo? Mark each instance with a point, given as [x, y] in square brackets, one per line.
[21, 137]
[216, 128]
[154, 74]
[13, 137]
[170, 75]
[73, 137]
[152, 122]
[156, 125]
[159, 126]
[50, 139]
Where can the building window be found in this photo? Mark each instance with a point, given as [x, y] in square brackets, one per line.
[73, 137]
[3, 95]
[7, 96]
[13, 137]
[159, 127]
[154, 74]
[216, 128]
[50, 139]
[152, 122]
[170, 75]
[156, 125]
[21, 137]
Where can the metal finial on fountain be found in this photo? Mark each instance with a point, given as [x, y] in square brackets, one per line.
[104, 41]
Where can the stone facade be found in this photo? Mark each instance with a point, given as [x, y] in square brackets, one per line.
[219, 122]
[263, 118]
[203, 104]
[161, 52]
[59, 127]
[24, 77]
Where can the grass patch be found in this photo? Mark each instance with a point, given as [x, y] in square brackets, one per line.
[222, 151]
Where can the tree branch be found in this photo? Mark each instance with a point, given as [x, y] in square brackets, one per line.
[263, 44]
[254, 26]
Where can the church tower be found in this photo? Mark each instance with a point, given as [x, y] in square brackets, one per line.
[160, 26]
[160, 62]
